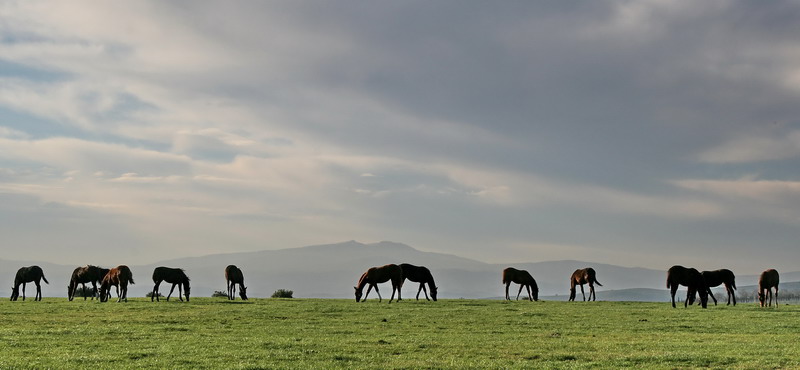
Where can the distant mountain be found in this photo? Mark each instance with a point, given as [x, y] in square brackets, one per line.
[330, 271]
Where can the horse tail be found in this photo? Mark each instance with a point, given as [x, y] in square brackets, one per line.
[45, 279]
[597, 282]
[668, 284]
[130, 280]
[733, 284]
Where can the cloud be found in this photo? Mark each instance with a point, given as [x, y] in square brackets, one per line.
[755, 148]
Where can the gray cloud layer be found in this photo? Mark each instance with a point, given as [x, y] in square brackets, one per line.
[639, 133]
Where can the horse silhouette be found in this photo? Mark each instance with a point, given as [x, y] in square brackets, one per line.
[524, 279]
[174, 276]
[26, 275]
[580, 277]
[233, 276]
[421, 275]
[719, 277]
[82, 275]
[119, 277]
[377, 275]
[769, 279]
[692, 279]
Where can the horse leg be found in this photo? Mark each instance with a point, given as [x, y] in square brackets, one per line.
[592, 295]
[776, 297]
[421, 286]
[38, 291]
[155, 292]
[672, 291]
[228, 287]
[520, 290]
[584, 294]
[530, 296]
[170, 291]
[380, 299]
[424, 291]
[369, 287]
[712, 297]
[23, 291]
[180, 291]
[398, 294]
[507, 284]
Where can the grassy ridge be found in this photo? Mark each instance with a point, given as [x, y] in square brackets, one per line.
[342, 333]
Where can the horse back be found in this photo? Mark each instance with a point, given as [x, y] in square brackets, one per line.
[233, 273]
[417, 274]
[768, 279]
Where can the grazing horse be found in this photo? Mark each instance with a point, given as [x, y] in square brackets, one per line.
[718, 277]
[421, 275]
[82, 275]
[26, 275]
[524, 279]
[377, 275]
[233, 276]
[119, 277]
[769, 279]
[175, 277]
[692, 279]
[580, 277]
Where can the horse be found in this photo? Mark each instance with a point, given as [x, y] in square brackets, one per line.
[692, 279]
[233, 276]
[82, 275]
[377, 275]
[580, 277]
[769, 279]
[718, 277]
[119, 277]
[175, 276]
[524, 279]
[26, 275]
[421, 275]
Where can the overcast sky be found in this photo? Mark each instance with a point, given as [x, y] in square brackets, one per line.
[638, 133]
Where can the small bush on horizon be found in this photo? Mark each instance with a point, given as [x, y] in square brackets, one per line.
[150, 294]
[282, 293]
[219, 294]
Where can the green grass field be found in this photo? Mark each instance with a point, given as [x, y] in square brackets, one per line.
[270, 333]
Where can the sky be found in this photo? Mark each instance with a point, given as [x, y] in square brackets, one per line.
[639, 133]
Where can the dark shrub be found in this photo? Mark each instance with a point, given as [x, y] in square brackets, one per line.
[282, 293]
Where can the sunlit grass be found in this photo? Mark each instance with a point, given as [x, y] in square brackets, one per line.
[273, 333]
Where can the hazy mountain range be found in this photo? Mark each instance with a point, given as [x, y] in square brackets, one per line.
[330, 271]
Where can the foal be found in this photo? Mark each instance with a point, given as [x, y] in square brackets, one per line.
[233, 276]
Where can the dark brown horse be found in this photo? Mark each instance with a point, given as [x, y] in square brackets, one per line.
[175, 277]
[719, 277]
[524, 279]
[82, 275]
[119, 277]
[26, 275]
[580, 277]
[421, 275]
[692, 279]
[233, 276]
[377, 275]
[769, 279]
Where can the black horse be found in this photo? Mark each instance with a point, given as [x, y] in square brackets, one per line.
[174, 276]
[524, 279]
[768, 280]
[82, 275]
[719, 277]
[692, 279]
[421, 275]
[26, 275]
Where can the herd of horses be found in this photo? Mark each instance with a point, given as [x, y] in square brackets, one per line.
[119, 277]
[697, 283]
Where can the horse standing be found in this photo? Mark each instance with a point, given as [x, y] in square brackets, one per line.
[233, 276]
[692, 279]
[421, 275]
[769, 279]
[26, 275]
[718, 277]
[377, 275]
[524, 279]
[580, 277]
[82, 275]
[175, 276]
[119, 277]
